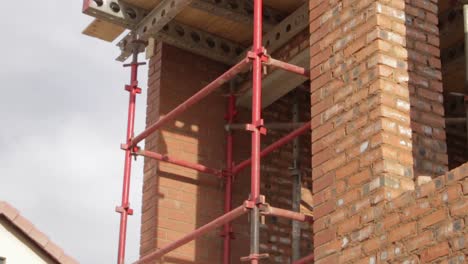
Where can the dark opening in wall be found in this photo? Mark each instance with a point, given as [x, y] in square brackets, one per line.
[452, 49]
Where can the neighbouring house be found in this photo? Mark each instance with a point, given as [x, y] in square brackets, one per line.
[22, 243]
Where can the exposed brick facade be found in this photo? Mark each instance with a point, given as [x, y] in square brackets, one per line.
[422, 226]
[178, 200]
[378, 124]
[276, 184]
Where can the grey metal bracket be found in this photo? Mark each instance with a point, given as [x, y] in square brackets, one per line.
[117, 12]
[199, 42]
[284, 31]
[159, 24]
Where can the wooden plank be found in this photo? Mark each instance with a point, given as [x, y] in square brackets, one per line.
[103, 30]
[222, 27]
[281, 5]
[288, 6]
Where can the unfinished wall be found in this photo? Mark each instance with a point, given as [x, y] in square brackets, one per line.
[177, 200]
[276, 185]
[377, 116]
[452, 47]
[276, 180]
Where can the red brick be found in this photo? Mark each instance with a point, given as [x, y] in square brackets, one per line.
[327, 249]
[420, 241]
[435, 252]
[348, 169]
[349, 225]
[332, 259]
[350, 254]
[323, 182]
[402, 231]
[459, 209]
[433, 218]
[360, 177]
[324, 209]
[324, 236]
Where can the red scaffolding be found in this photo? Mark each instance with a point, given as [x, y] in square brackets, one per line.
[255, 205]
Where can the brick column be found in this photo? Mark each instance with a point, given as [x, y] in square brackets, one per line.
[377, 114]
[177, 200]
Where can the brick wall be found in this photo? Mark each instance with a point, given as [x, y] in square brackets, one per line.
[276, 185]
[425, 86]
[176, 200]
[422, 226]
[378, 123]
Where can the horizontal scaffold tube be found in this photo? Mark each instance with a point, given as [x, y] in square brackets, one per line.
[182, 163]
[288, 67]
[283, 141]
[239, 211]
[305, 260]
[269, 126]
[231, 73]
[270, 210]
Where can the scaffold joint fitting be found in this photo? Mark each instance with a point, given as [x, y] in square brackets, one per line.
[123, 209]
[133, 88]
[259, 125]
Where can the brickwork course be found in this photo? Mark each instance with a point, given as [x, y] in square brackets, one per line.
[377, 173]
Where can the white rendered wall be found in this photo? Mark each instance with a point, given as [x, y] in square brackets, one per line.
[18, 250]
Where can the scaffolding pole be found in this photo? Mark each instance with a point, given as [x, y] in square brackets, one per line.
[256, 203]
[269, 126]
[124, 209]
[276, 145]
[189, 165]
[257, 54]
[296, 186]
[195, 234]
[227, 232]
[204, 92]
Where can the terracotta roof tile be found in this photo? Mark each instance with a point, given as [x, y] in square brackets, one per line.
[29, 230]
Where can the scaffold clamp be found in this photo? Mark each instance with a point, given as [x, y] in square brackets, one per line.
[133, 88]
[123, 209]
[259, 125]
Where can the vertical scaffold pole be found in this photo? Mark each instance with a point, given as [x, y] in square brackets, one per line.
[231, 114]
[296, 186]
[257, 127]
[124, 209]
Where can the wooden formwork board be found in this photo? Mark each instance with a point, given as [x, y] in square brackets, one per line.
[228, 29]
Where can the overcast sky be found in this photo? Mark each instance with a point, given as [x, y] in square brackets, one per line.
[63, 116]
